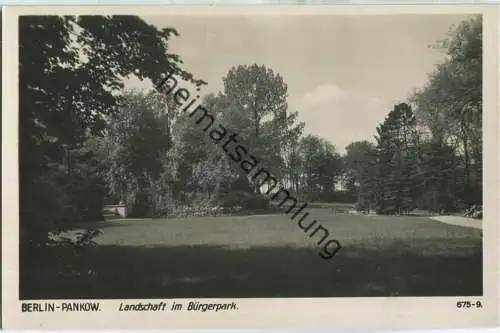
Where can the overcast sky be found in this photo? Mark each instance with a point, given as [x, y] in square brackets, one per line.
[344, 73]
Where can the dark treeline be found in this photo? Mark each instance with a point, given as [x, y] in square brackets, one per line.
[428, 152]
[86, 142]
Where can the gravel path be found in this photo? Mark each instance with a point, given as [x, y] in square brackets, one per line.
[460, 221]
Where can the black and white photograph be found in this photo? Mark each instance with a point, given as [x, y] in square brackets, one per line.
[198, 157]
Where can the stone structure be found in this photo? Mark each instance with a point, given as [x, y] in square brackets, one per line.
[120, 210]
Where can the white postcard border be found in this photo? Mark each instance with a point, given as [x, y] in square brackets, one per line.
[393, 312]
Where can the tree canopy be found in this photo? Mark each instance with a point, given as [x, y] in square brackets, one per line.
[71, 71]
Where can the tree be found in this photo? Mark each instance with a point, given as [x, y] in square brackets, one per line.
[359, 165]
[440, 179]
[205, 175]
[253, 105]
[70, 77]
[450, 105]
[397, 153]
[258, 92]
[255, 99]
[136, 142]
[320, 167]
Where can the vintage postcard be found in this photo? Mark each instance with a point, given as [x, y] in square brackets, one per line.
[250, 167]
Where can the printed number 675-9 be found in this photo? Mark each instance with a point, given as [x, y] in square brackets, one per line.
[469, 304]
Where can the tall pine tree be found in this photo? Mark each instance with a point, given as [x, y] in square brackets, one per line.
[397, 148]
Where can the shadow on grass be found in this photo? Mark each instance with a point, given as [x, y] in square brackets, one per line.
[116, 222]
[118, 272]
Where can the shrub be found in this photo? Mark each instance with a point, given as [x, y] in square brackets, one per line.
[475, 211]
[141, 206]
[247, 201]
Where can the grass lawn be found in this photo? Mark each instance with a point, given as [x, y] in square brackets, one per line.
[264, 256]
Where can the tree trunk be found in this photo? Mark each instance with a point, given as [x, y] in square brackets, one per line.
[467, 197]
